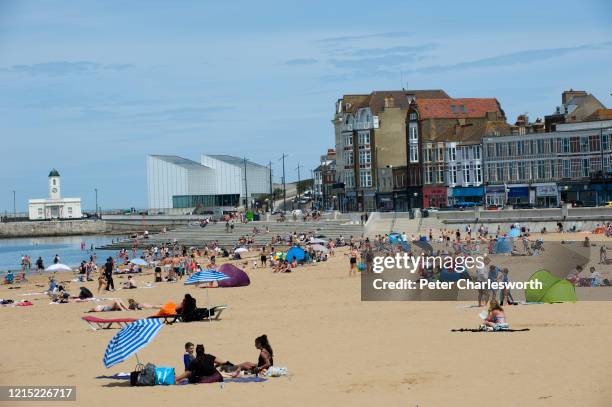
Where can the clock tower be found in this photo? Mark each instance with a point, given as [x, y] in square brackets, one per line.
[54, 185]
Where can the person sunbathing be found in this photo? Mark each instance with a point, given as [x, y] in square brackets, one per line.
[264, 361]
[116, 305]
[202, 369]
[136, 306]
[496, 318]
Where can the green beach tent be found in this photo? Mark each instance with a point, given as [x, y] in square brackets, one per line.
[553, 289]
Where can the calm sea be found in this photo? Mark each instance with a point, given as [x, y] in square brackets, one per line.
[67, 247]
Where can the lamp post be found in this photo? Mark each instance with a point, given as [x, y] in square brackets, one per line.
[96, 189]
[14, 205]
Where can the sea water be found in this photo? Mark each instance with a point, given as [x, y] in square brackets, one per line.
[68, 248]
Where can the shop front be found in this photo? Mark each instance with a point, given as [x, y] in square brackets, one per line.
[465, 194]
[586, 193]
[518, 194]
[495, 195]
[435, 197]
[546, 195]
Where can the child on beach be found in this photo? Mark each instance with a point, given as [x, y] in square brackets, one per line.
[188, 357]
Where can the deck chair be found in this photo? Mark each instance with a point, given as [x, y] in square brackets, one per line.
[217, 311]
[102, 323]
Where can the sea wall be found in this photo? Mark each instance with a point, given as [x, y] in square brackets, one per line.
[52, 228]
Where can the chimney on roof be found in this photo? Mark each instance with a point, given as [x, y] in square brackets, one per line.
[569, 94]
[389, 102]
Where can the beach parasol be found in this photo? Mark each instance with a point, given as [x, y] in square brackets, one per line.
[58, 267]
[130, 340]
[319, 248]
[139, 262]
[206, 276]
[317, 241]
[241, 250]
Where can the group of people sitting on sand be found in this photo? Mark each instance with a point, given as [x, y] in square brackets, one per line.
[206, 368]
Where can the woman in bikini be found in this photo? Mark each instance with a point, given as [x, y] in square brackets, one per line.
[116, 305]
[133, 305]
[264, 361]
[496, 318]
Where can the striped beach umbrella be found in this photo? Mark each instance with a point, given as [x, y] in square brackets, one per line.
[130, 340]
[206, 276]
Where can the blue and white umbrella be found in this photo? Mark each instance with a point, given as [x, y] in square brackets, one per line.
[139, 262]
[206, 276]
[130, 340]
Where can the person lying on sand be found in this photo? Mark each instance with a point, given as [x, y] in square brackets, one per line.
[496, 318]
[264, 361]
[116, 305]
[135, 306]
[202, 369]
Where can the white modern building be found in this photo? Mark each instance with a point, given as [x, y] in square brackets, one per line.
[54, 207]
[179, 185]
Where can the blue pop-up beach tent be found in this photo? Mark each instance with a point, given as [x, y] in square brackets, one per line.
[296, 253]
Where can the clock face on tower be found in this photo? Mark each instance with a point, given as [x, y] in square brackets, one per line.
[54, 190]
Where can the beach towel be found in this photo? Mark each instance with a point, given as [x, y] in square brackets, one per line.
[481, 330]
[248, 379]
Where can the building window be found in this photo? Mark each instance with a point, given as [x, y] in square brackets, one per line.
[585, 167]
[452, 154]
[414, 153]
[477, 153]
[521, 170]
[412, 132]
[604, 142]
[440, 173]
[349, 179]
[428, 174]
[348, 140]
[365, 158]
[566, 169]
[553, 169]
[40, 211]
[453, 174]
[350, 159]
[566, 145]
[478, 174]
[365, 178]
[500, 172]
[364, 138]
[466, 173]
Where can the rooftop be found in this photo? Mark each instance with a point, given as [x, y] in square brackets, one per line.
[457, 108]
[230, 159]
[180, 161]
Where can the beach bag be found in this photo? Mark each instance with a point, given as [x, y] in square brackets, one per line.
[275, 371]
[85, 293]
[164, 375]
[147, 376]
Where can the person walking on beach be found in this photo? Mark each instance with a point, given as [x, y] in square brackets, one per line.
[40, 265]
[353, 261]
[56, 259]
[108, 273]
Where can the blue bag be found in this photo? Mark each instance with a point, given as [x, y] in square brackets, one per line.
[164, 375]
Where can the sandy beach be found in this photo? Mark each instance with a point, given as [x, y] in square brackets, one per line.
[339, 350]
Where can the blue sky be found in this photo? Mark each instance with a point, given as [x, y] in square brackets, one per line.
[92, 87]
